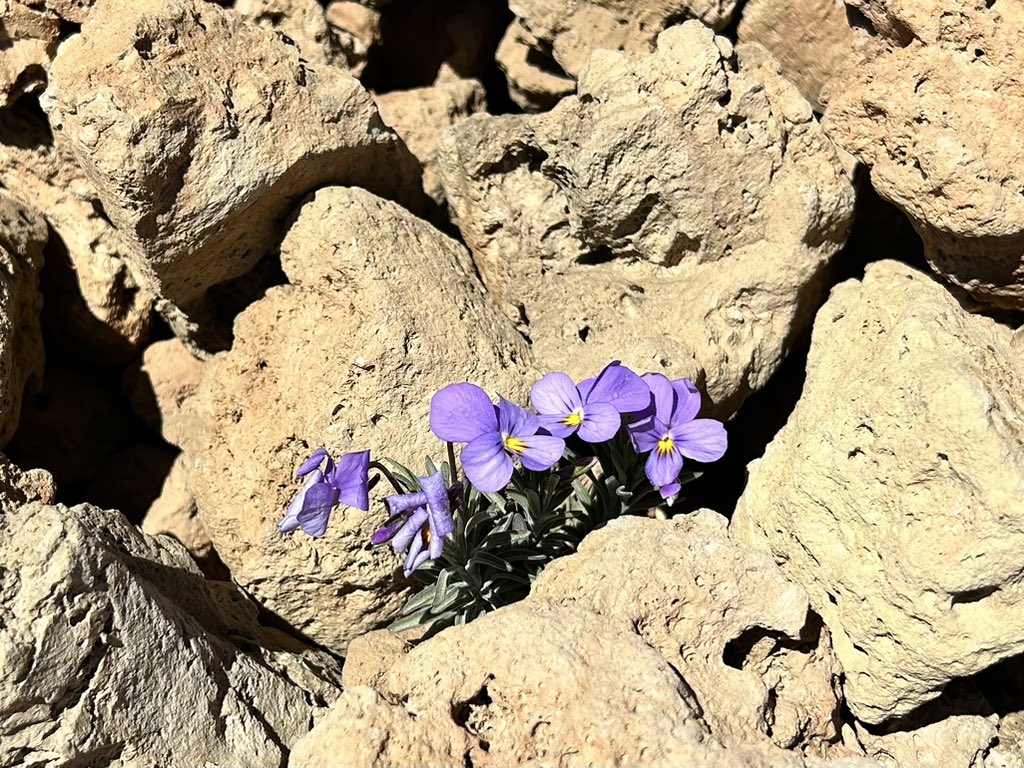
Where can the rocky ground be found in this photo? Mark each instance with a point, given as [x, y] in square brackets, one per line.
[231, 233]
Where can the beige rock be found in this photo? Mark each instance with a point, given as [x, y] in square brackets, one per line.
[96, 307]
[1009, 752]
[200, 131]
[74, 11]
[678, 211]
[160, 388]
[132, 478]
[421, 116]
[30, 41]
[356, 19]
[937, 123]
[535, 81]
[893, 492]
[721, 613]
[383, 310]
[811, 39]
[22, 237]
[114, 650]
[18, 486]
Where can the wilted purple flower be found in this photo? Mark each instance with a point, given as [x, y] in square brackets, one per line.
[594, 408]
[419, 522]
[345, 482]
[463, 413]
[670, 432]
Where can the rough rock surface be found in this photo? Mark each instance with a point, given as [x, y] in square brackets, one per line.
[937, 122]
[160, 388]
[174, 513]
[677, 207]
[562, 34]
[201, 131]
[115, 651]
[811, 39]
[421, 116]
[96, 308]
[382, 311]
[22, 237]
[29, 36]
[18, 486]
[893, 492]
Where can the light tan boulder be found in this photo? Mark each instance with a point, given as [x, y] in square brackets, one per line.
[114, 650]
[680, 210]
[811, 39]
[535, 81]
[96, 308]
[22, 238]
[893, 492]
[75, 11]
[160, 387]
[18, 486]
[356, 19]
[420, 116]
[201, 131]
[381, 312]
[937, 121]
[30, 41]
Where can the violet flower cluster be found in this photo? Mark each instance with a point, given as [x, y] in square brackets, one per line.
[659, 417]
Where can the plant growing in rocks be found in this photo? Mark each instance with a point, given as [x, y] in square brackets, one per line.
[532, 483]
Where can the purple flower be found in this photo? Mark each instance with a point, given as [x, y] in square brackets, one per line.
[463, 413]
[345, 482]
[419, 522]
[594, 408]
[671, 432]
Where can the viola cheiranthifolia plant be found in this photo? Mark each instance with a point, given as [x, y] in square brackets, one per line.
[534, 483]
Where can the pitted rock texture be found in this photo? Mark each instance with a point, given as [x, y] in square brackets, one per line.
[22, 238]
[96, 308]
[18, 486]
[893, 492]
[421, 116]
[115, 651]
[29, 43]
[678, 207]
[173, 513]
[201, 131]
[382, 311]
[937, 121]
[561, 35]
[160, 387]
[811, 39]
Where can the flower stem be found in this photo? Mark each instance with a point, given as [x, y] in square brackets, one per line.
[387, 473]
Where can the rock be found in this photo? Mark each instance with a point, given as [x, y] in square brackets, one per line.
[420, 116]
[30, 40]
[96, 308]
[936, 121]
[201, 131]
[116, 651]
[74, 11]
[22, 237]
[683, 219]
[811, 39]
[724, 617]
[358, 22]
[131, 480]
[159, 388]
[562, 35]
[382, 311]
[18, 486]
[892, 493]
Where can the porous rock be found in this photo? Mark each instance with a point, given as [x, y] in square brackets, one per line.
[115, 651]
[535, 83]
[29, 42]
[561, 35]
[160, 387]
[420, 116]
[382, 311]
[202, 130]
[677, 207]
[173, 513]
[937, 118]
[18, 486]
[893, 492]
[22, 237]
[97, 309]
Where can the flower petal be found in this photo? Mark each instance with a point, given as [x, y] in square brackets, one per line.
[316, 509]
[462, 412]
[513, 420]
[555, 395]
[664, 396]
[486, 464]
[702, 440]
[620, 387]
[553, 425]
[291, 515]
[663, 469]
[351, 478]
[687, 401]
[669, 492]
[601, 421]
[416, 557]
[404, 502]
[411, 530]
[312, 462]
[541, 452]
[389, 529]
[441, 523]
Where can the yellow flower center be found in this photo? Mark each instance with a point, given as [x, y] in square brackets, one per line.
[514, 444]
[574, 419]
[665, 445]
